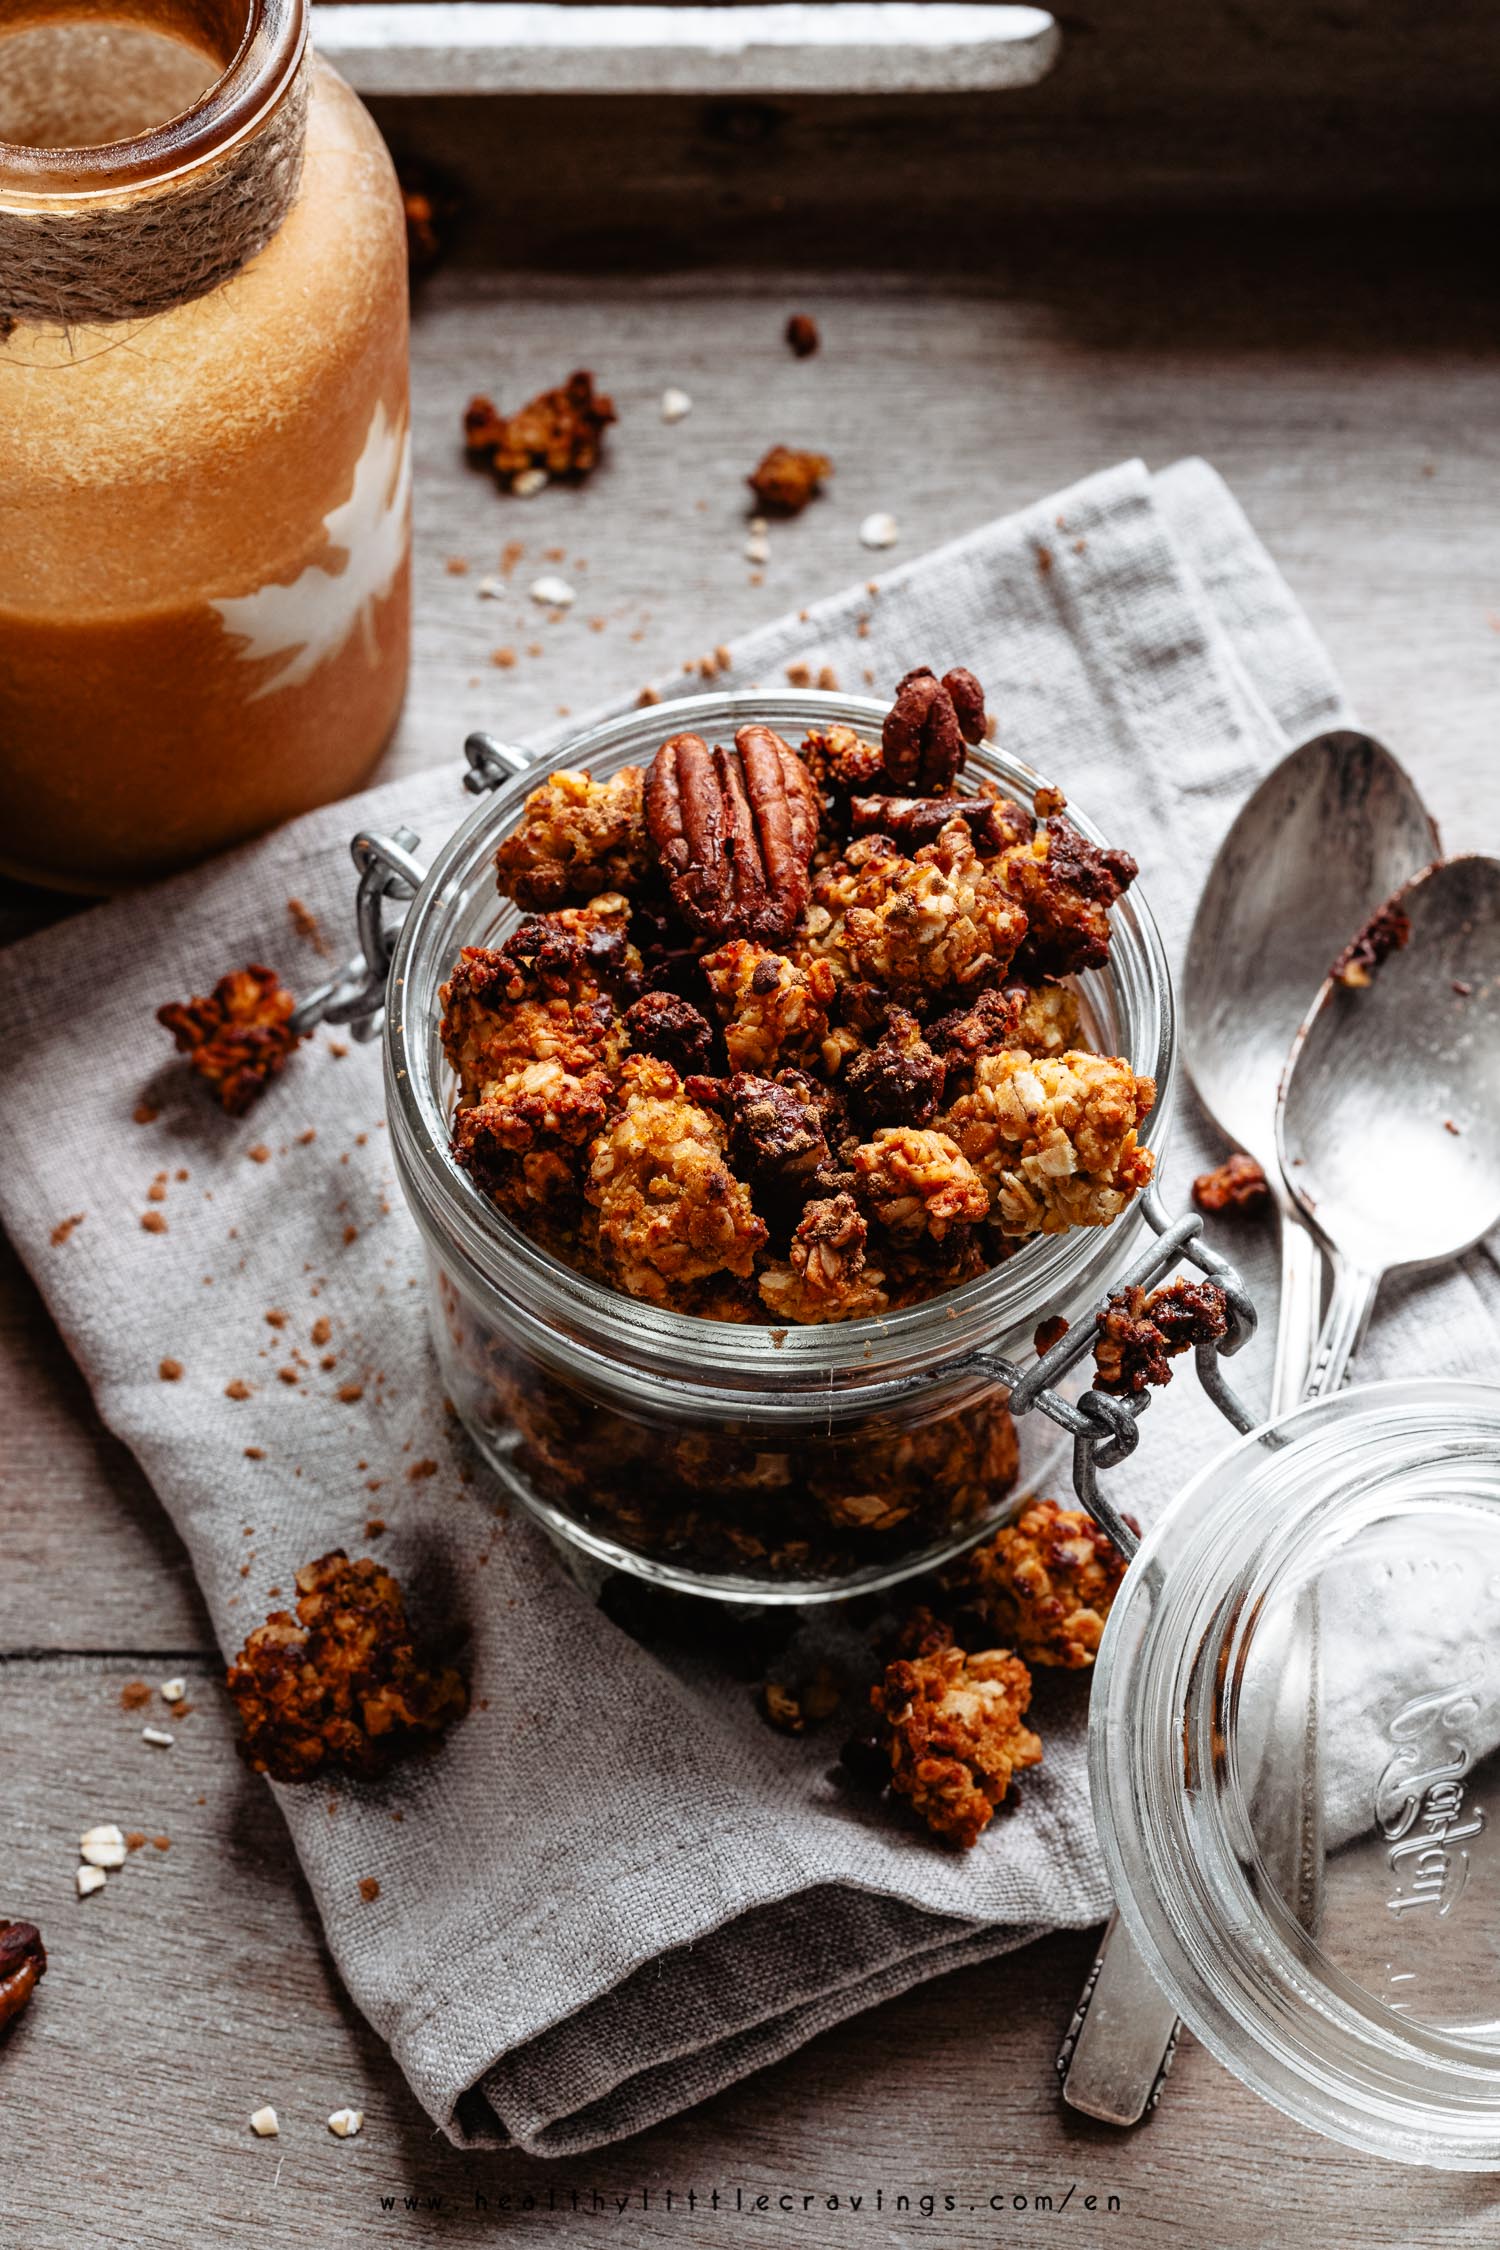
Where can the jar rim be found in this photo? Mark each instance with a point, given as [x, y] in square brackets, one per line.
[604, 1326]
[1258, 1989]
[254, 78]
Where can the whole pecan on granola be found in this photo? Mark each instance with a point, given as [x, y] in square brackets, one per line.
[23, 1963]
[928, 725]
[734, 832]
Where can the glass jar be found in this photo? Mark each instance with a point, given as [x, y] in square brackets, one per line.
[1296, 1711]
[204, 452]
[748, 1462]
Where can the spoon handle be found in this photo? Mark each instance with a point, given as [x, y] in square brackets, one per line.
[1297, 1309]
[1344, 1325]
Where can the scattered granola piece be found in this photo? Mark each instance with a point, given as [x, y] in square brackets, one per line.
[173, 1690]
[135, 1839]
[239, 1037]
[1385, 933]
[346, 2123]
[305, 922]
[264, 2123]
[369, 1889]
[421, 1470]
[675, 405]
[89, 1880]
[527, 483]
[879, 530]
[1140, 1334]
[952, 1726]
[788, 478]
[65, 1227]
[237, 1388]
[1238, 1185]
[557, 434]
[781, 1708]
[339, 1685]
[757, 548]
[802, 335]
[134, 1695]
[1043, 1585]
[157, 1737]
[1048, 1333]
[103, 1846]
[145, 1113]
[152, 1222]
[170, 1370]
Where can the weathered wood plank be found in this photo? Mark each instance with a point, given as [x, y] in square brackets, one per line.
[193, 1988]
[834, 46]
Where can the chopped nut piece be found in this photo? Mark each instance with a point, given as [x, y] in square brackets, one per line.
[23, 1964]
[103, 1847]
[787, 479]
[1239, 1185]
[264, 2123]
[1043, 1585]
[1385, 933]
[238, 1038]
[346, 2123]
[675, 404]
[576, 838]
[558, 434]
[802, 335]
[339, 1685]
[552, 593]
[173, 1690]
[1054, 1138]
[1140, 1334]
[733, 835]
[89, 1880]
[953, 1731]
[157, 1737]
[879, 530]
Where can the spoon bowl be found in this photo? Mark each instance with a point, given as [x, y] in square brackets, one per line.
[1328, 835]
[1388, 1124]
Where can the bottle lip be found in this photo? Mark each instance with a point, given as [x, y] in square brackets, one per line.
[615, 1337]
[260, 45]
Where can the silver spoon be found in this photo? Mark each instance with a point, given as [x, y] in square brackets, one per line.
[1389, 1120]
[1329, 834]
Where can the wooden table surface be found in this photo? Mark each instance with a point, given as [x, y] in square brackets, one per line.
[1345, 381]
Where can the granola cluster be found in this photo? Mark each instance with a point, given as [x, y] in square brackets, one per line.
[557, 434]
[239, 1037]
[1043, 1585]
[786, 1035]
[340, 1685]
[953, 1728]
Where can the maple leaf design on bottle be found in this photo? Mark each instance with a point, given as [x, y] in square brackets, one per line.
[309, 620]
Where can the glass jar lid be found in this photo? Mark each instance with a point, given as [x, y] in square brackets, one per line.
[1294, 1764]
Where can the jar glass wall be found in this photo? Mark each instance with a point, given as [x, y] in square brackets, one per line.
[204, 489]
[746, 1461]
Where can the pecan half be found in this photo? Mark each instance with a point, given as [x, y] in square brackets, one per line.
[23, 1963]
[734, 832]
[928, 725]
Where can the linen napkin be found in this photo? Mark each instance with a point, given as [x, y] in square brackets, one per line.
[613, 1890]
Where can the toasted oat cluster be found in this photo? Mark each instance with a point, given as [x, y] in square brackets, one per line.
[786, 478]
[784, 1035]
[239, 1037]
[558, 433]
[952, 1725]
[1238, 1187]
[1044, 1584]
[1140, 1335]
[340, 1685]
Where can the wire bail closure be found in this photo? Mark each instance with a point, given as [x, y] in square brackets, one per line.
[1105, 1430]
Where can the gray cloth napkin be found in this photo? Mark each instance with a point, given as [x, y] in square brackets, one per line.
[613, 1890]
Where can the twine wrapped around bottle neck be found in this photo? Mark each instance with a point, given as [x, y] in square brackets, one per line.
[154, 246]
